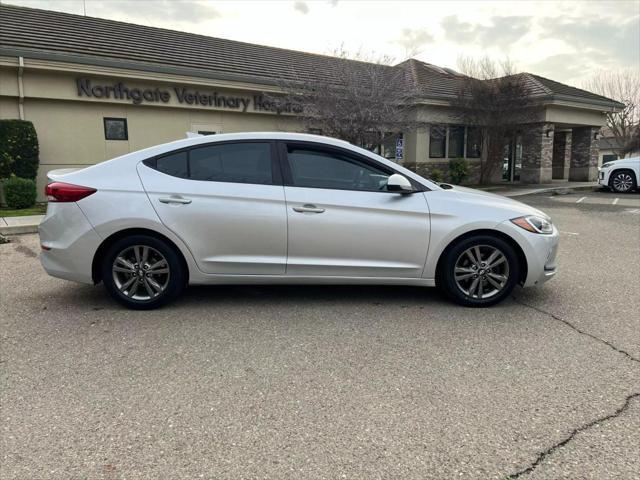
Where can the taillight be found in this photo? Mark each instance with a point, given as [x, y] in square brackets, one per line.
[65, 192]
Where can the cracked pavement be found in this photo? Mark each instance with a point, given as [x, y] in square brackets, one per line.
[330, 382]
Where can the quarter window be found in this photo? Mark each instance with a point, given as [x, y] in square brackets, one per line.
[174, 164]
[327, 169]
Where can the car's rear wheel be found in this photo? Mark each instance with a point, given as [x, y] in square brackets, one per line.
[479, 271]
[142, 272]
[623, 181]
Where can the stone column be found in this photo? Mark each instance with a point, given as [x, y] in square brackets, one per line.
[537, 153]
[561, 155]
[584, 155]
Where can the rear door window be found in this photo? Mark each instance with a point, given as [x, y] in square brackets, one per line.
[233, 162]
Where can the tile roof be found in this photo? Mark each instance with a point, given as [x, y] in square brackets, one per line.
[75, 38]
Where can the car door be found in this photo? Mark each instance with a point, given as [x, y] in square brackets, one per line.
[343, 222]
[226, 202]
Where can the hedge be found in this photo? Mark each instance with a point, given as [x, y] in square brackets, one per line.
[19, 192]
[19, 149]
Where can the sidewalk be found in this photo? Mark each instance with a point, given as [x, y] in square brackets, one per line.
[17, 225]
[29, 223]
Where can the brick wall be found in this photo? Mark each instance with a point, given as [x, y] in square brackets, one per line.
[584, 154]
[537, 153]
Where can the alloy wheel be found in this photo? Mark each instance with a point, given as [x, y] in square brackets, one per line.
[481, 271]
[141, 272]
[622, 182]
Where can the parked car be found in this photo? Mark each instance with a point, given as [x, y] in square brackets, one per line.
[262, 208]
[621, 176]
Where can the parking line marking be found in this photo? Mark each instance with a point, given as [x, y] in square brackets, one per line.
[615, 200]
[580, 199]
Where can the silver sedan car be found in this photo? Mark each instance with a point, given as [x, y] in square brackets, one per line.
[265, 208]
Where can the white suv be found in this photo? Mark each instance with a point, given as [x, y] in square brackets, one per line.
[621, 175]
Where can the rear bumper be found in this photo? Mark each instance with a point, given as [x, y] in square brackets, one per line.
[69, 243]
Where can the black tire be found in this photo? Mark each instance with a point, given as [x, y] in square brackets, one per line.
[622, 177]
[487, 244]
[173, 281]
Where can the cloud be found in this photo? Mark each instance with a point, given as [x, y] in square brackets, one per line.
[413, 39]
[145, 11]
[301, 7]
[613, 42]
[501, 31]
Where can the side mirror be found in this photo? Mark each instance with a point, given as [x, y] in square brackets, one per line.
[399, 184]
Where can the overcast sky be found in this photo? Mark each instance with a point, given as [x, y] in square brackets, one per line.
[566, 41]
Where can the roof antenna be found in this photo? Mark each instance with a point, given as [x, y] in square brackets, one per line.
[84, 7]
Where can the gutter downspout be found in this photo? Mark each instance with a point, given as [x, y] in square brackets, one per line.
[20, 87]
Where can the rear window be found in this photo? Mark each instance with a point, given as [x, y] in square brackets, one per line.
[231, 162]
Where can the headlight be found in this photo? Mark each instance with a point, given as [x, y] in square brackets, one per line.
[606, 165]
[534, 224]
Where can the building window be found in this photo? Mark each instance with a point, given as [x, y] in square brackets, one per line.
[456, 142]
[206, 132]
[474, 142]
[609, 158]
[115, 129]
[437, 141]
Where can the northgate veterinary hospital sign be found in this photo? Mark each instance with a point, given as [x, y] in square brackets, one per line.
[184, 96]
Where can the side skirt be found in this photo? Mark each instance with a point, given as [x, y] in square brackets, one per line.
[318, 280]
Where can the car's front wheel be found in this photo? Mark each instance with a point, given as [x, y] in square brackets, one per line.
[479, 271]
[623, 181]
[142, 272]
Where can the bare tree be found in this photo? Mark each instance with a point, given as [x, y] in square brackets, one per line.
[364, 101]
[497, 101]
[623, 86]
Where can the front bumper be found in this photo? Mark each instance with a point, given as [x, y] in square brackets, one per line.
[603, 178]
[540, 251]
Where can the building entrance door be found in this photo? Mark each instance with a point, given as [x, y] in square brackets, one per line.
[512, 159]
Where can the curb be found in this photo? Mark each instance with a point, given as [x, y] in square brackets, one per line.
[564, 190]
[18, 229]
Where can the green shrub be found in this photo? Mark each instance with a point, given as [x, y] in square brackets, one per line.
[5, 164]
[19, 192]
[436, 175]
[19, 149]
[458, 170]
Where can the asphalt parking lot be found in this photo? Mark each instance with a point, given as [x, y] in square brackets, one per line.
[332, 382]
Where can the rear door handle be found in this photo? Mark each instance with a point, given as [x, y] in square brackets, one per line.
[308, 208]
[179, 200]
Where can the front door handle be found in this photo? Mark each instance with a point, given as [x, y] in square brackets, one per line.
[179, 200]
[308, 208]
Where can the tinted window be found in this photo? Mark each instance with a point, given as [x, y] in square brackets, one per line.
[175, 164]
[324, 169]
[437, 141]
[456, 142]
[233, 162]
[115, 129]
[474, 142]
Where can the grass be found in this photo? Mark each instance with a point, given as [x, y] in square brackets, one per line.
[39, 209]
